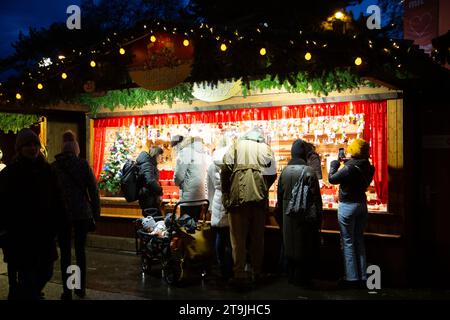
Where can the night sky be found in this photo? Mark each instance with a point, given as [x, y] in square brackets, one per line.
[19, 15]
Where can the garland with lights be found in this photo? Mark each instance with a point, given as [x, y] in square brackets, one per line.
[262, 58]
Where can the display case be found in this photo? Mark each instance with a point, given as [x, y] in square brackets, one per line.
[326, 129]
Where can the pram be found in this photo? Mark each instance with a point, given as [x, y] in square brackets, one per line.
[167, 248]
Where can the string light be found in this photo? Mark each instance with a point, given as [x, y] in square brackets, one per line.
[339, 15]
[122, 51]
[358, 61]
[262, 51]
[64, 75]
[308, 56]
[40, 86]
[61, 57]
[223, 47]
[185, 42]
[18, 96]
[93, 64]
[152, 38]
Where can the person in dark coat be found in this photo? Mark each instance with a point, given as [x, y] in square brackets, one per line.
[31, 204]
[150, 190]
[313, 159]
[82, 207]
[301, 239]
[353, 178]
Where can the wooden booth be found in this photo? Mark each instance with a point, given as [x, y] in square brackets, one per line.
[331, 122]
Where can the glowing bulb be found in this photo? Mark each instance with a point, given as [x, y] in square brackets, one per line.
[308, 56]
[64, 75]
[339, 15]
[358, 61]
[40, 86]
[122, 51]
[93, 64]
[185, 42]
[18, 96]
[153, 39]
[262, 51]
[223, 47]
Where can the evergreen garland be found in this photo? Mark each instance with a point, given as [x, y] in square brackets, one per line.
[301, 82]
[15, 122]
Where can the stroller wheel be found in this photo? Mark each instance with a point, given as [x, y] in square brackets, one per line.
[146, 264]
[173, 271]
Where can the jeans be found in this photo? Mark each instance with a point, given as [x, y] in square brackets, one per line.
[80, 230]
[224, 251]
[352, 219]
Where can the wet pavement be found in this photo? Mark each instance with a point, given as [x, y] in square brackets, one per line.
[115, 275]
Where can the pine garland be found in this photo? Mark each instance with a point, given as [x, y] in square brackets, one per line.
[300, 82]
[15, 122]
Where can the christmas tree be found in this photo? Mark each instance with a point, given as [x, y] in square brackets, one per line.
[121, 150]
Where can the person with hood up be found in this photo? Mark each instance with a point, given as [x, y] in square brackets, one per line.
[353, 178]
[190, 173]
[248, 171]
[219, 217]
[150, 190]
[81, 201]
[31, 206]
[301, 237]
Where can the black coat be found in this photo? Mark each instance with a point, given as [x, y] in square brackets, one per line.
[78, 187]
[353, 183]
[301, 240]
[148, 181]
[31, 208]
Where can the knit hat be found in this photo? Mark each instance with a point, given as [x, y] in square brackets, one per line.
[70, 144]
[358, 149]
[298, 149]
[24, 137]
[176, 140]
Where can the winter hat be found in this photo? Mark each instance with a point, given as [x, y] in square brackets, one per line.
[298, 149]
[176, 140]
[24, 137]
[358, 149]
[154, 151]
[70, 144]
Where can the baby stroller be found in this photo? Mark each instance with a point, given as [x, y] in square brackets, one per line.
[167, 247]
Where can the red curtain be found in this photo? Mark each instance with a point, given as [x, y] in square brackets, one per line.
[99, 149]
[375, 131]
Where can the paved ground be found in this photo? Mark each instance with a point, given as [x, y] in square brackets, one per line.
[115, 275]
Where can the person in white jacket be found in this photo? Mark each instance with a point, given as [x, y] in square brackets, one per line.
[219, 217]
[190, 173]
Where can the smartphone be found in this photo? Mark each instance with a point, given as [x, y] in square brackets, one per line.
[341, 154]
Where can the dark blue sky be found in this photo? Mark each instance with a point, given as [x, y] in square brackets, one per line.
[16, 15]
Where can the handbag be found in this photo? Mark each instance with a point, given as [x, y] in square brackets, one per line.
[198, 246]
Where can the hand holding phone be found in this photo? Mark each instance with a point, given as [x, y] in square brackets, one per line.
[341, 154]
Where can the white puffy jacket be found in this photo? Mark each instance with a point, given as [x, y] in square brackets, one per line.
[219, 218]
[191, 170]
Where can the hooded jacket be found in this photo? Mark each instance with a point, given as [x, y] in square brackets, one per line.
[191, 170]
[300, 238]
[78, 187]
[353, 183]
[218, 212]
[148, 181]
[248, 171]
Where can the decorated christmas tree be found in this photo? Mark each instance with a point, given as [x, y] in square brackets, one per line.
[121, 150]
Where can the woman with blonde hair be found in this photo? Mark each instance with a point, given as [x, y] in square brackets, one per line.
[353, 178]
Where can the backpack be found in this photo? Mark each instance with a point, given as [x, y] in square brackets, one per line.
[129, 181]
[301, 203]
